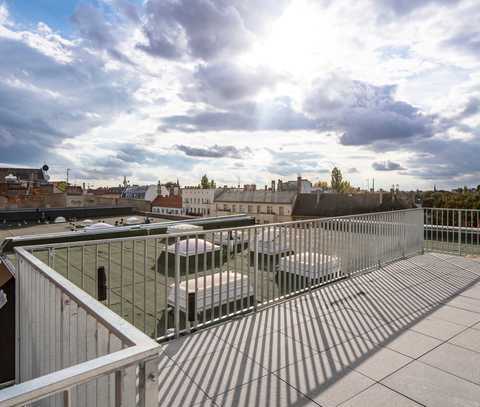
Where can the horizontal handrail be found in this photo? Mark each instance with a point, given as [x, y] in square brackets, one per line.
[61, 380]
[202, 232]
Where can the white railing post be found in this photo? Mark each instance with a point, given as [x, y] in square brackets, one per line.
[176, 311]
[148, 386]
[459, 232]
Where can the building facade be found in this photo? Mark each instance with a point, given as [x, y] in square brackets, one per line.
[198, 201]
[266, 206]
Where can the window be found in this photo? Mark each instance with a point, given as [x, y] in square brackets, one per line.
[240, 209]
[280, 211]
[234, 208]
[250, 208]
[259, 209]
[269, 209]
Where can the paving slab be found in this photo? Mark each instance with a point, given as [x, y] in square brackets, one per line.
[264, 392]
[430, 386]
[458, 361]
[365, 357]
[379, 396]
[324, 380]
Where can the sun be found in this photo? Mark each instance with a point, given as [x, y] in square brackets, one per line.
[298, 42]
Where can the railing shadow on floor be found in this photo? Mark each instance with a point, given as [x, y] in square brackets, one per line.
[341, 326]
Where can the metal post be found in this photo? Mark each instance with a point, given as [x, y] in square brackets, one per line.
[148, 388]
[459, 232]
[177, 289]
[119, 388]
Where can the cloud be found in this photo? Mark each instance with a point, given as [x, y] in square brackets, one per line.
[387, 166]
[352, 170]
[404, 7]
[224, 83]
[204, 29]
[366, 114]
[52, 90]
[214, 151]
[278, 114]
[100, 33]
[293, 163]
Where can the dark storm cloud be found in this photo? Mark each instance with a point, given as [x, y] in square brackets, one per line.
[387, 166]
[223, 83]
[214, 151]
[365, 113]
[277, 115]
[43, 101]
[204, 29]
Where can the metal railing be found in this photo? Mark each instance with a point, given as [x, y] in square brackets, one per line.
[455, 231]
[72, 350]
[169, 284]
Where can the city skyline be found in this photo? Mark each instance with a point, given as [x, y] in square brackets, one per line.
[241, 91]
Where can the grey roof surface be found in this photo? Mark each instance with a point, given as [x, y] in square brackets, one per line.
[261, 196]
[407, 334]
[23, 174]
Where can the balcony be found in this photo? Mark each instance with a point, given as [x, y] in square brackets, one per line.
[364, 310]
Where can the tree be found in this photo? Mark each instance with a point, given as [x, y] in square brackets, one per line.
[205, 183]
[321, 184]
[337, 179]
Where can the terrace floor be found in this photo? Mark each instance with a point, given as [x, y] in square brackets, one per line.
[407, 334]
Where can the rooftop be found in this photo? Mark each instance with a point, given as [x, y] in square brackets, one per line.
[407, 334]
[393, 321]
[260, 196]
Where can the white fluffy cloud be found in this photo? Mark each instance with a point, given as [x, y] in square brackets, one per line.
[247, 89]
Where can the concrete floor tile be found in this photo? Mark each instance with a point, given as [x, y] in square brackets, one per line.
[176, 389]
[379, 396]
[461, 362]
[365, 357]
[405, 341]
[432, 387]
[223, 370]
[323, 379]
[264, 392]
[469, 339]
[275, 350]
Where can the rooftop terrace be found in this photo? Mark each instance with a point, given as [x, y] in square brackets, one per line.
[367, 310]
[407, 334]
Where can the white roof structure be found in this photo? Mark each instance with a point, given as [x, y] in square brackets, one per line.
[191, 247]
[231, 285]
[133, 220]
[183, 227]
[271, 240]
[87, 222]
[310, 265]
[60, 219]
[99, 225]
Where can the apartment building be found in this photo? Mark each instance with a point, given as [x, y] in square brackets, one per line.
[267, 206]
[198, 201]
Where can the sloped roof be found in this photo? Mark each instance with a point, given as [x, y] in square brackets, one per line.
[277, 197]
[23, 174]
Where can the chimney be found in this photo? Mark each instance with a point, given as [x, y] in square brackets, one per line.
[273, 185]
[159, 188]
[299, 184]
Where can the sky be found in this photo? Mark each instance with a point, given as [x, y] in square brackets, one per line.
[242, 90]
